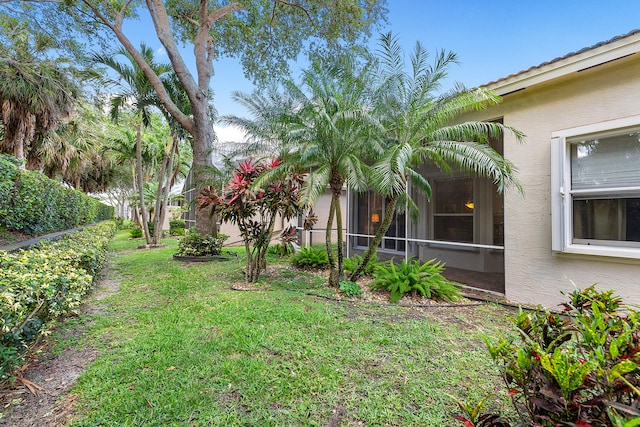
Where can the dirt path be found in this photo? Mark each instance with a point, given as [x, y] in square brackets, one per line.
[55, 374]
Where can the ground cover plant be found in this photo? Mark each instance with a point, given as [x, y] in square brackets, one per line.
[178, 346]
[44, 283]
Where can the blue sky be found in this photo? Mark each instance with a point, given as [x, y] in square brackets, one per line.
[492, 38]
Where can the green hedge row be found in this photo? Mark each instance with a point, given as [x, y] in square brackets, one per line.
[34, 204]
[43, 283]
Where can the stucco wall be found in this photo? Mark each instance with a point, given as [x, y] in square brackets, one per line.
[534, 274]
[321, 209]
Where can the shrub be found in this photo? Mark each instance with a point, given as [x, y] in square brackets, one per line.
[425, 279]
[44, 283]
[288, 236]
[351, 264]
[195, 244]
[176, 227]
[253, 211]
[350, 289]
[475, 416]
[135, 232]
[310, 258]
[580, 367]
[34, 204]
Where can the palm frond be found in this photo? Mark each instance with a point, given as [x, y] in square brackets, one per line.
[478, 159]
[316, 184]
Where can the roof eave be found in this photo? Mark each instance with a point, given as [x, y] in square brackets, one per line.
[571, 63]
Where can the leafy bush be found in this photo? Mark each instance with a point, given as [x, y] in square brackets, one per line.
[253, 211]
[123, 224]
[425, 279]
[310, 258]
[350, 289]
[44, 283]
[288, 236]
[475, 416]
[351, 264]
[176, 227]
[195, 244]
[34, 204]
[580, 367]
[276, 249]
[135, 232]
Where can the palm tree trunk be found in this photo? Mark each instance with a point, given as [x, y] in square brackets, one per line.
[340, 238]
[332, 261]
[336, 274]
[377, 238]
[167, 187]
[143, 209]
[157, 225]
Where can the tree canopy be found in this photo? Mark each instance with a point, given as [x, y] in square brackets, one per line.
[264, 34]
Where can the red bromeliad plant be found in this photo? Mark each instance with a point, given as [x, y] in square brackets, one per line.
[254, 209]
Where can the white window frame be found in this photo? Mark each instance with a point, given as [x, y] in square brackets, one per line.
[562, 195]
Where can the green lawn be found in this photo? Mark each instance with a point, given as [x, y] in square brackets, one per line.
[179, 347]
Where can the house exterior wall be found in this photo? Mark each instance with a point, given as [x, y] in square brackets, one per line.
[533, 273]
[321, 209]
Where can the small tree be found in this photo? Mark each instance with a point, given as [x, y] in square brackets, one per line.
[255, 210]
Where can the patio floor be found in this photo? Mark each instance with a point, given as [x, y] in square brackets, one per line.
[492, 282]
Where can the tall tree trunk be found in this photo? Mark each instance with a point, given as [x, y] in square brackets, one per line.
[160, 192]
[168, 184]
[336, 274]
[340, 271]
[372, 250]
[202, 164]
[143, 209]
[332, 261]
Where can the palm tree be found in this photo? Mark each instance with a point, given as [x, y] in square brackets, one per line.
[35, 97]
[74, 152]
[331, 134]
[418, 128]
[136, 91]
[174, 151]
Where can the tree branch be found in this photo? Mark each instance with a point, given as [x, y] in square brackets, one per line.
[297, 6]
[223, 11]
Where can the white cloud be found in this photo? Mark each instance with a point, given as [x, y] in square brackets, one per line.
[229, 134]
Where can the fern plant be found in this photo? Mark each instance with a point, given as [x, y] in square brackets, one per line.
[411, 276]
[351, 264]
[310, 258]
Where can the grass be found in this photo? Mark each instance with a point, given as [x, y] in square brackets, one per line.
[178, 347]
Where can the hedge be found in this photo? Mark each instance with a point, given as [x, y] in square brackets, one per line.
[43, 283]
[34, 204]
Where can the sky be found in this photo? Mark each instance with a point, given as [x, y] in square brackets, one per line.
[492, 38]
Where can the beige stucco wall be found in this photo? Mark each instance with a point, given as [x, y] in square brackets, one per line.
[533, 273]
[321, 209]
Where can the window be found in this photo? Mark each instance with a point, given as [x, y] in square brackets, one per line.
[370, 212]
[596, 184]
[453, 210]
